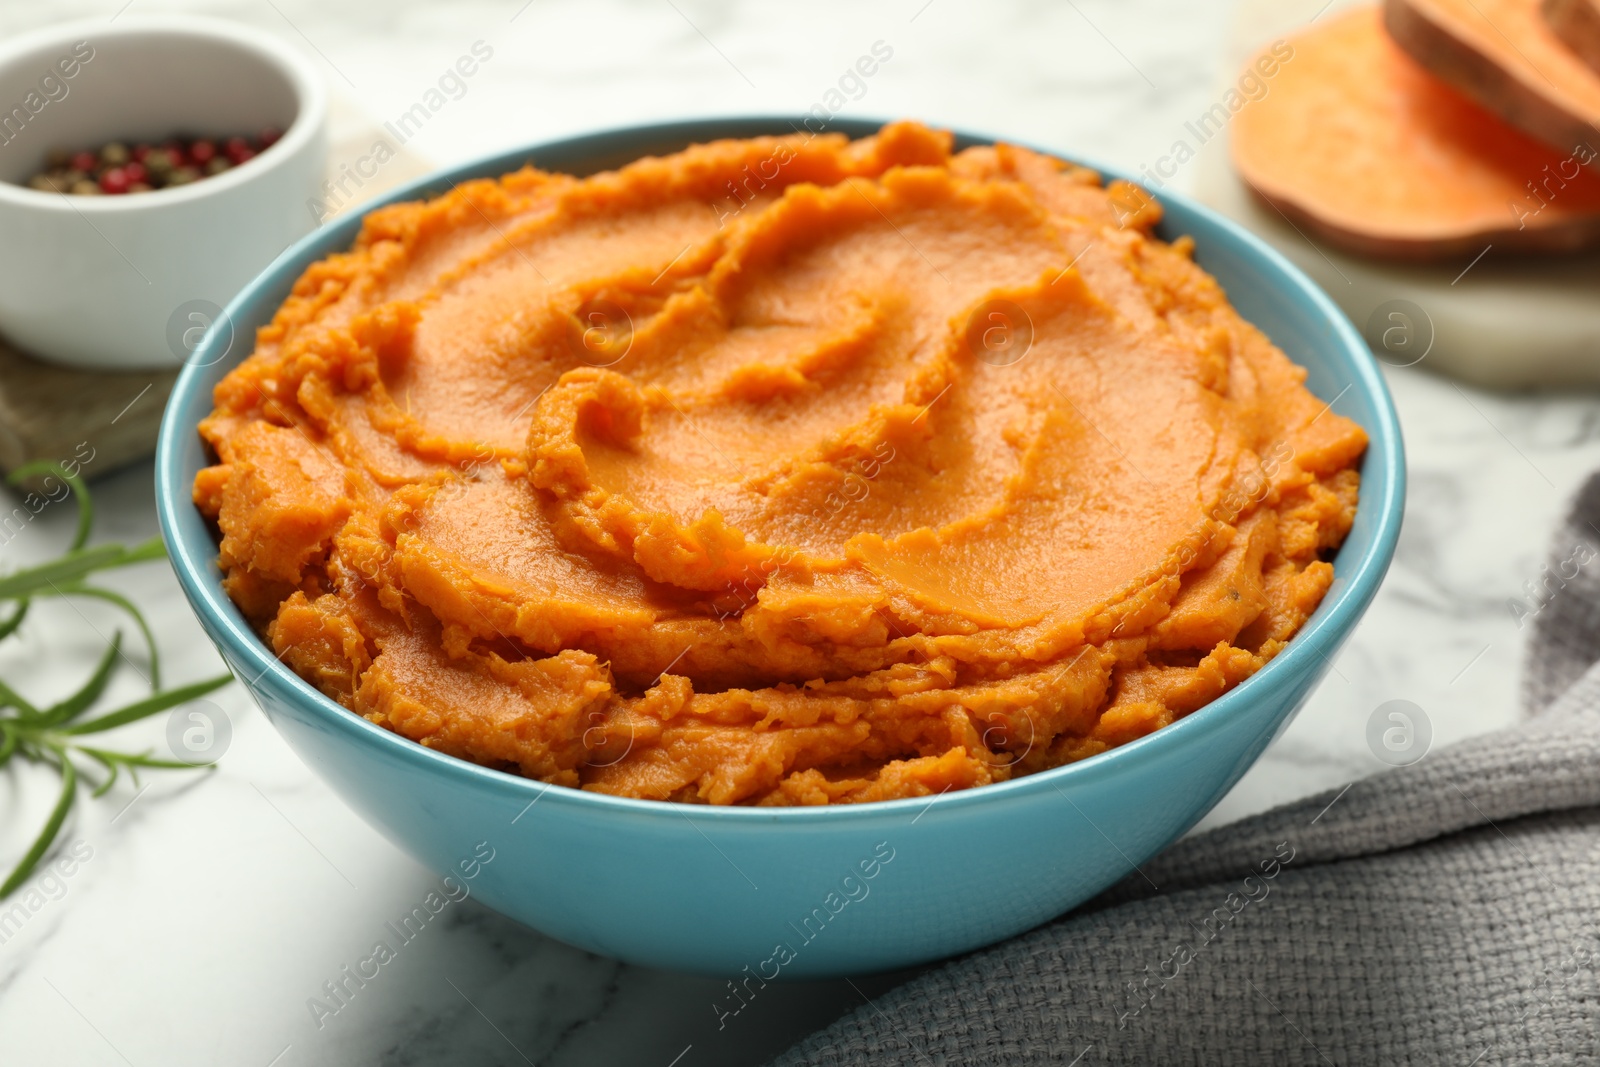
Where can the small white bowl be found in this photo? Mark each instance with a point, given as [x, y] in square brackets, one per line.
[131, 281]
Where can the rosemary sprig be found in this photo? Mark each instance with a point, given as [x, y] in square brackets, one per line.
[50, 736]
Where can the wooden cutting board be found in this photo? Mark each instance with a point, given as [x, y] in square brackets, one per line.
[1506, 322]
[106, 420]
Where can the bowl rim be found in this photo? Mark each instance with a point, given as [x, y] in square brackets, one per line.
[297, 72]
[1321, 635]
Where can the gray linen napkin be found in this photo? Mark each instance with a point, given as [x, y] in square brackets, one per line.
[1445, 912]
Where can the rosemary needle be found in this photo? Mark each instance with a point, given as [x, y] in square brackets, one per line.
[50, 736]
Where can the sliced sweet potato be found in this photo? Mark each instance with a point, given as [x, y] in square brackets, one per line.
[1355, 141]
[1504, 55]
[1577, 23]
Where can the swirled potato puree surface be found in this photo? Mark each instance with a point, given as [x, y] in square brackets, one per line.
[780, 471]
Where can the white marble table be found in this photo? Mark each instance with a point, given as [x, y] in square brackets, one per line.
[214, 905]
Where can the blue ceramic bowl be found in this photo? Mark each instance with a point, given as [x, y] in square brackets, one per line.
[802, 892]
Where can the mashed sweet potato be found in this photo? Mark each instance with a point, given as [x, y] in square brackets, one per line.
[780, 471]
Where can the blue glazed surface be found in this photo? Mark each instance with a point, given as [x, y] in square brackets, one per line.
[715, 890]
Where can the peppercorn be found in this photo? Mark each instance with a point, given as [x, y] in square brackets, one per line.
[117, 169]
